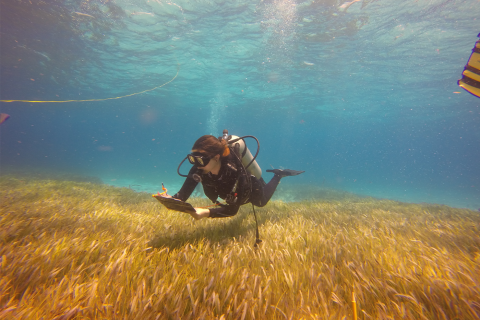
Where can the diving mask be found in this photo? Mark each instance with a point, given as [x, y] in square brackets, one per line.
[198, 160]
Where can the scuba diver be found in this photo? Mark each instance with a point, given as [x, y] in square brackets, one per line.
[219, 164]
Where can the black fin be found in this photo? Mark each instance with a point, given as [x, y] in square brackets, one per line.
[285, 172]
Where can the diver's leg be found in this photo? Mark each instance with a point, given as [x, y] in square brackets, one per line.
[270, 187]
[262, 192]
[261, 198]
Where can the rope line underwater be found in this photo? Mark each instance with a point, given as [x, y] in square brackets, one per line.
[90, 100]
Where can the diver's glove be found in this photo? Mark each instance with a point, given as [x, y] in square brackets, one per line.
[285, 172]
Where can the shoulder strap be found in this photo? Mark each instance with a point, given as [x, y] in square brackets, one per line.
[243, 172]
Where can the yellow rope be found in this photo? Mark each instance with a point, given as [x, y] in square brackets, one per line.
[89, 100]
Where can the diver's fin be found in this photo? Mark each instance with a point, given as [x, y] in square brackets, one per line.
[285, 172]
[471, 74]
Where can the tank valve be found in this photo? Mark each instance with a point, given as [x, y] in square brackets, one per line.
[225, 136]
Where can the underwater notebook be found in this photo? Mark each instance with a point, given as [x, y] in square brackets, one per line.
[175, 204]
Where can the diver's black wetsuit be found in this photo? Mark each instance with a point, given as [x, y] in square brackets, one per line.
[222, 185]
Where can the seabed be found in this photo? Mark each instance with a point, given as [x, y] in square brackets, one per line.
[86, 250]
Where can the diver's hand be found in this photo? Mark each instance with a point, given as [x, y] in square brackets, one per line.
[200, 213]
[164, 195]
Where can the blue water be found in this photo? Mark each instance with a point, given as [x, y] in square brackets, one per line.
[364, 98]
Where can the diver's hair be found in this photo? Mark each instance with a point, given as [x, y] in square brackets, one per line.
[211, 146]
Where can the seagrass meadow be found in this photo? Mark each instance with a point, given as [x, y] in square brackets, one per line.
[82, 250]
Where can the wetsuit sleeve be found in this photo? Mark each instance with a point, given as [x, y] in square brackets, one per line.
[188, 186]
[223, 211]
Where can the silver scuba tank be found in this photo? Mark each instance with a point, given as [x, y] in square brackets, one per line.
[245, 154]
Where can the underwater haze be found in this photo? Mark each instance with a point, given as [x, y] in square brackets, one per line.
[362, 95]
